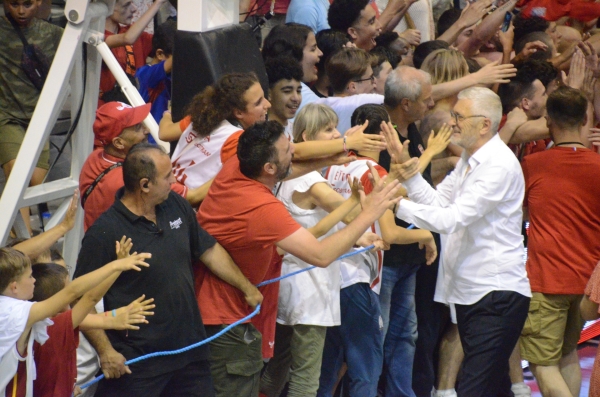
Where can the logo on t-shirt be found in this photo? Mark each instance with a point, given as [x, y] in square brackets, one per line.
[538, 12]
[175, 224]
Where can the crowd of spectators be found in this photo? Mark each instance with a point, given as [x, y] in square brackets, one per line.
[439, 135]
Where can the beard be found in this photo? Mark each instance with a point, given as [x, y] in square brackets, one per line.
[283, 172]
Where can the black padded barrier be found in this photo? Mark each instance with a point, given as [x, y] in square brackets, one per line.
[199, 59]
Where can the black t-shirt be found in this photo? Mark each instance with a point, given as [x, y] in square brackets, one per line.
[175, 242]
[406, 254]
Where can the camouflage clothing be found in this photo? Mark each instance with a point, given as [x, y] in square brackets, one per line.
[18, 96]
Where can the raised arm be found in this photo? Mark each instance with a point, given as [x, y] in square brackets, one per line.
[87, 302]
[34, 246]
[470, 15]
[168, 130]
[305, 246]
[136, 29]
[327, 198]
[53, 305]
[123, 318]
[393, 13]
[354, 139]
[491, 73]
[486, 29]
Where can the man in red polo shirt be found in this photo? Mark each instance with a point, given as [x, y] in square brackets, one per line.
[117, 128]
[242, 213]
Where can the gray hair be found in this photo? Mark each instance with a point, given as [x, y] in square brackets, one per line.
[484, 102]
[404, 82]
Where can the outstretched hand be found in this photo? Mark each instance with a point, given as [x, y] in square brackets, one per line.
[357, 187]
[134, 313]
[132, 262]
[357, 140]
[382, 196]
[473, 12]
[437, 143]
[492, 73]
[576, 70]
[398, 151]
[69, 220]
[123, 247]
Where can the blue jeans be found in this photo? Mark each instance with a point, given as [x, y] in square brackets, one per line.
[397, 297]
[358, 340]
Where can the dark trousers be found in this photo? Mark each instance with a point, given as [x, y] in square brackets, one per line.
[489, 330]
[432, 318]
[193, 380]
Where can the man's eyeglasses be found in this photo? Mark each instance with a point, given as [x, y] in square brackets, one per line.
[457, 117]
[372, 78]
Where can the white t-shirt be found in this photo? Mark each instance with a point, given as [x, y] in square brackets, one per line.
[88, 362]
[289, 130]
[197, 160]
[345, 106]
[365, 267]
[13, 319]
[312, 297]
[421, 12]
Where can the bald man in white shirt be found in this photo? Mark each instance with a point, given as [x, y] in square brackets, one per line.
[478, 211]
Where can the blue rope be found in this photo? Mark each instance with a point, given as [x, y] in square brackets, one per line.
[226, 329]
[274, 280]
[182, 350]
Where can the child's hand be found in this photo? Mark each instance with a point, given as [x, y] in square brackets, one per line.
[132, 262]
[69, 220]
[77, 391]
[134, 313]
[356, 187]
[124, 247]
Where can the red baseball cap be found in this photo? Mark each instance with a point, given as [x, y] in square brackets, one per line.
[113, 117]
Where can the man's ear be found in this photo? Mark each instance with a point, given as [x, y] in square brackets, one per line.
[351, 87]
[405, 104]
[144, 185]
[486, 127]
[270, 168]
[525, 104]
[117, 142]
[160, 55]
[352, 33]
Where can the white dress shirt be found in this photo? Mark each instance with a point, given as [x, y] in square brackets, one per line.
[478, 209]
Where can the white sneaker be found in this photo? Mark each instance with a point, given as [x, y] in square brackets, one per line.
[521, 389]
[445, 393]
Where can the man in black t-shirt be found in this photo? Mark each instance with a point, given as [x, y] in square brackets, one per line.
[408, 96]
[163, 224]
